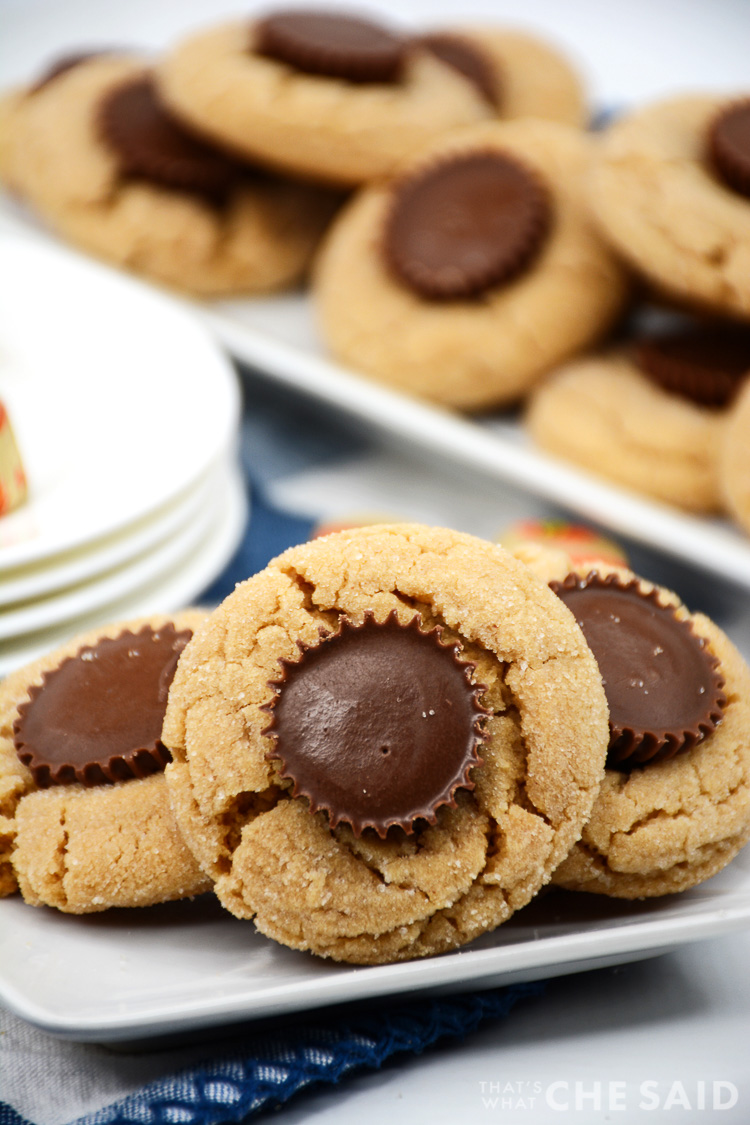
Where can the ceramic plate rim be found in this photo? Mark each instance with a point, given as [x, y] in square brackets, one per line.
[61, 572]
[469, 969]
[167, 593]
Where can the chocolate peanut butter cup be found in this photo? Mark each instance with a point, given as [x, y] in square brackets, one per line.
[706, 364]
[378, 724]
[331, 45]
[97, 717]
[151, 145]
[729, 145]
[465, 224]
[468, 59]
[663, 688]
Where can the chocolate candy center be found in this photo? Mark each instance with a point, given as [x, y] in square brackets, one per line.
[706, 364]
[377, 724]
[465, 225]
[729, 145]
[661, 684]
[151, 145]
[97, 717]
[468, 59]
[331, 45]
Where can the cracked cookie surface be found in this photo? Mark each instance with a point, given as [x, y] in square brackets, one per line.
[664, 209]
[603, 413]
[260, 238]
[363, 898]
[490, 349]
[84, 849]
[670, 825]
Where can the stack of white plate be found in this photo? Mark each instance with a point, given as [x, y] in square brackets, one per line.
[126, 417]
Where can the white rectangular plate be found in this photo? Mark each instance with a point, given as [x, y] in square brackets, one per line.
[132, 974]
[277, 336]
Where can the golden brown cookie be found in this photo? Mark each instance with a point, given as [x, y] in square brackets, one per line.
[334, 98]
[665, 203]
[674, 806]
[85, 818]
[428, 284]
[322, 779]
[734, 462]
[520, 75]
[95, 153]
[651, 415]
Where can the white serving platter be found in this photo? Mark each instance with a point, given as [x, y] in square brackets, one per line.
[128, 975]
[278, 337]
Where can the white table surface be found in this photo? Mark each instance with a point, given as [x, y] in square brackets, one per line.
[679, 1023]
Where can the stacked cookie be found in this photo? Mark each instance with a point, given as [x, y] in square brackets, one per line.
[667, 413]
[382, 746]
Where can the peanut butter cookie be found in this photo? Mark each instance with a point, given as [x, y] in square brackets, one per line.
[674, 806]
[472, 272]
[651, 416]
[385, 742]
[85, 819]
[668, 194]
[93, 150]
[324, 95]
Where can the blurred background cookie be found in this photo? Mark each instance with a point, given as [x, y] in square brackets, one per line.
[93, 150]
[650, 415]
[669, 192]
[519, 74]
[330, 96]
[474, 270]
[86, 821]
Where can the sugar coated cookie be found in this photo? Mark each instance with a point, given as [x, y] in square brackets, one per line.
[85, 819]
[518, 74]
[467, 276]
[734, 463]
[385, 742]
[650, 416]
[93, 149]
[668, 194]
[325, 95]
[674, 806]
